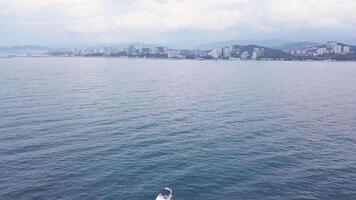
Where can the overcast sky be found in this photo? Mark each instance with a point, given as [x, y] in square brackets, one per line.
[87, 22]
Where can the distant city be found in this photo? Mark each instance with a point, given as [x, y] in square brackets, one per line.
[302, 51]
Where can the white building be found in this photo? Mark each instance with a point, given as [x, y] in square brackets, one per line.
[202, 53]
[338, 49]
[216, 53]
[346, 50]
[173, 53]
[331, 45]
[257, 53]
[254, 56]
[99, 50]
[322, 51]
[226, 52]
[153, 50]
[108, 51]
[244, 55]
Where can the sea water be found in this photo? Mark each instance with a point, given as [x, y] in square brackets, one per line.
[101, 128]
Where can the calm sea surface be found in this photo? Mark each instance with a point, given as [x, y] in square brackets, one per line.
[96, 128]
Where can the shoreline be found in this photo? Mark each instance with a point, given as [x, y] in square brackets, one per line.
[177, 59]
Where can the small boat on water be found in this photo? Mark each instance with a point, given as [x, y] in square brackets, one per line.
[165, 194]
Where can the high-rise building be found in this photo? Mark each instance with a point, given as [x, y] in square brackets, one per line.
[257, 53]
[153, 50]
[244, 55]
[131, 50]
[216, 53]
[235, 50]
[338, 49]
[262, 52]
[173, 53]
[331, 45]
[108, 51]
[145, 51]
[346, 50]
[161, 50]
[322, 51]
[226, 52]
[202, 53]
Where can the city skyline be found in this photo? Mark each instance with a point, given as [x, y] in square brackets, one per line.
[332, 51]
[175, 23]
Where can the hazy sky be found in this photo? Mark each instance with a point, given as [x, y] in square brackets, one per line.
[79, 22]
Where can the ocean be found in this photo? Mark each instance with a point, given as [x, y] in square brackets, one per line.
[109, 128]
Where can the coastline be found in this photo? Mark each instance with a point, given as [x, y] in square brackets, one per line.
[177, 59]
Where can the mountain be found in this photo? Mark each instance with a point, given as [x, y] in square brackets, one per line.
[297, 45]
[26, 49]
[265, 43]
[267, 52]
[122, 45]
[350, 41]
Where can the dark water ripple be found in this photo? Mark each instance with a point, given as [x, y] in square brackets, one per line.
[123, 129]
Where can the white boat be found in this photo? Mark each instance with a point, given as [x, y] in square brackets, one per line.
[165, 194]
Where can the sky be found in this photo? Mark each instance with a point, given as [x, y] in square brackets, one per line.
[173, 22]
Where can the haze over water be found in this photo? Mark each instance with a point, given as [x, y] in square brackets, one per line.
[88, 128]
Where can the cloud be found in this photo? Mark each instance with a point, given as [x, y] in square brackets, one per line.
[120, 20]
[155, 16]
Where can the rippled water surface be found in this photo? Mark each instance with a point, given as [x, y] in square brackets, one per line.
[87, 128]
